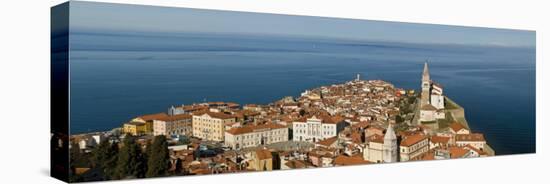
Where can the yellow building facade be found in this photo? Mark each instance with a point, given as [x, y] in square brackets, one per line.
[211, 125]
[137, 128]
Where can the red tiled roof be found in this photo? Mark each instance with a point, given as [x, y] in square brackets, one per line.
[217, 115]
[252, 128]
[470, 147]
[362, 124]
[428, 156]
[332, 119]
[347, 160]
[156, 116]
[413, 139]
[376, 138]
[164, 117]
[295, 164]
[440, 139]
[356, 137]
[302, 119]
[457, 152]
[456, 126]
[328, 142]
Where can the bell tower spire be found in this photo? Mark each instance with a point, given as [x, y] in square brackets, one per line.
[390, 145]
[425, 95]
[426, 73]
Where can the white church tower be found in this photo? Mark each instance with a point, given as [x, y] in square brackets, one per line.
[390, 145]
[425, 95]
[432, 101]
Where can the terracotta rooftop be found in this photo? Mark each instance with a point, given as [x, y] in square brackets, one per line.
[428, 156]
[413, 139]
[295, 164]
[456, 126]
[217, 115]
[252, 128]
[302, 119]
[376, 138]
[329, 119]
[356, 137]
[362, 124]
[164, 117]
[328, 142]
[347, 160]
[440, 139]
[470, 147]
[156, 116]
[457, 152]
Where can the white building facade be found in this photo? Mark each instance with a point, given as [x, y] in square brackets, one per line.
[380, 149]
[256, 135]
[475, 140]
[315, 129]
[413, 146]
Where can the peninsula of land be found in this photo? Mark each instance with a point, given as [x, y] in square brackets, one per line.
[356, 122]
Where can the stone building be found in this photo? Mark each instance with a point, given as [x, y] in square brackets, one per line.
[432, 101]
[317, 128]
[255, 135]
[380, 149]
[211, 125]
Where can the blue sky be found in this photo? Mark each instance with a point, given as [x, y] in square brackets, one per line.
[119, 17]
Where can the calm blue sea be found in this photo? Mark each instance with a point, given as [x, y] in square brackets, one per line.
[115, 76]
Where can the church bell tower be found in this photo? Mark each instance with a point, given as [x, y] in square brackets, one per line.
[425, 95]
[390, 145]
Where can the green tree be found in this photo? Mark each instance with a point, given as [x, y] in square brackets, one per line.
[146, 156]
[105, 156]
[399, 119]
[159, 159]
[130, 160]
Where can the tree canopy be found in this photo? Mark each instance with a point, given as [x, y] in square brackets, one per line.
[105, 156]
[158, 162]
[130, 163]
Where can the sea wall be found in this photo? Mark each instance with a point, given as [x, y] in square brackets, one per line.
[456, 111]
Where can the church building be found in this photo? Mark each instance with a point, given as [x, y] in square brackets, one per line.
[432, 101]
[382, 149]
